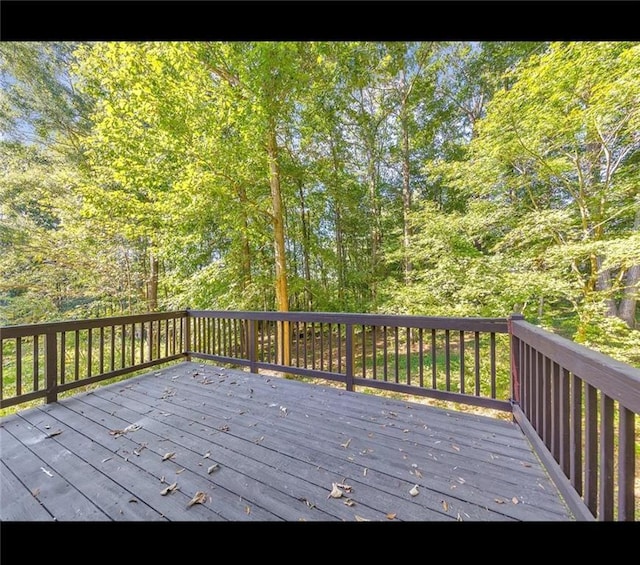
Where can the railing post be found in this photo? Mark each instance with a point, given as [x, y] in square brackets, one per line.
[51, 362]
[186, 335]
[253, 345]
[514, 346]
[349, 356]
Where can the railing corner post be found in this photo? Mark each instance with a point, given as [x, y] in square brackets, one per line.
[514, 357]
[51, 362]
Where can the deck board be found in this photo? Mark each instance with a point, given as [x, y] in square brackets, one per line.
[280, 445]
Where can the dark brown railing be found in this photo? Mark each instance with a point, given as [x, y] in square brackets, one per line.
[576, 406]
[455, 359]
[581, 406]
[43, 360]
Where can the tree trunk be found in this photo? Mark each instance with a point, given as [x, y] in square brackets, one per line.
[603, 285]
[304, 218]
[246, 250]
[628, 304]
[152, 284]
[282, 293]
[406, 194]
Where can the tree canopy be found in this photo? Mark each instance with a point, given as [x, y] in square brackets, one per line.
[435, 178]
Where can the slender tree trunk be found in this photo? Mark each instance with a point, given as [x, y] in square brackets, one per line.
[304, 217]
[282, 292]
[246, 250]
[375, 231]
[406, 193]
[628, 304]
[152, 284]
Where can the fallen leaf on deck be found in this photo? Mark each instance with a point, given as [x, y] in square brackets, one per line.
[139, 450]
[247, 509]
[461, 480]
[499, 500]
[525, 464]
[405, 431]
[364, 472]
[180, 471]
[132, 428]
[392, 414]
[35, 492]
[198, 498]
[206, 455]
[106, 459]
[391, 516]
[168, 455]
[169, 489]
[283, 409]
[224, 429]
[445, 506]
[213, 468]
[133, 500]
[335, 491]
[515, 500]
[46, 472]
[259, 440]
[346, 443]
[455, 447]
[349, 502]
[361, 519]
[418, 473]
[56, 433]
[307, 502]
[414, 491]
[47, 427]
[459, 518]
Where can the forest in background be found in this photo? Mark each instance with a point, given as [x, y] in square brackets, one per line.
[431, 178]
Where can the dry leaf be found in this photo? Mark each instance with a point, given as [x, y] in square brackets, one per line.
[364, 472]
[247, 509]
[180, 471]
[391, 516]
[132, 428]
[198, 498]
[335, 491]
[418, 473]
[106, 459]
[515, 500]
[168, 489]
[259, 440]
[455, 447]
[461, 480]
[349, 502]
[224, 429]
[445, 506]
[414, 491]
[361, 519]
[46, 472]
[207, 455]
[133, 500]
[35, 492]
[499, 500]
[526, 464]
[168, 455]
[56, 433]
[213, 468]
[346, 443]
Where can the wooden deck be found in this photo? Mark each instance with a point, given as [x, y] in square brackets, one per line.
[263, 448]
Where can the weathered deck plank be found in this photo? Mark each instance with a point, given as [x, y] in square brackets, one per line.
[279, 444]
